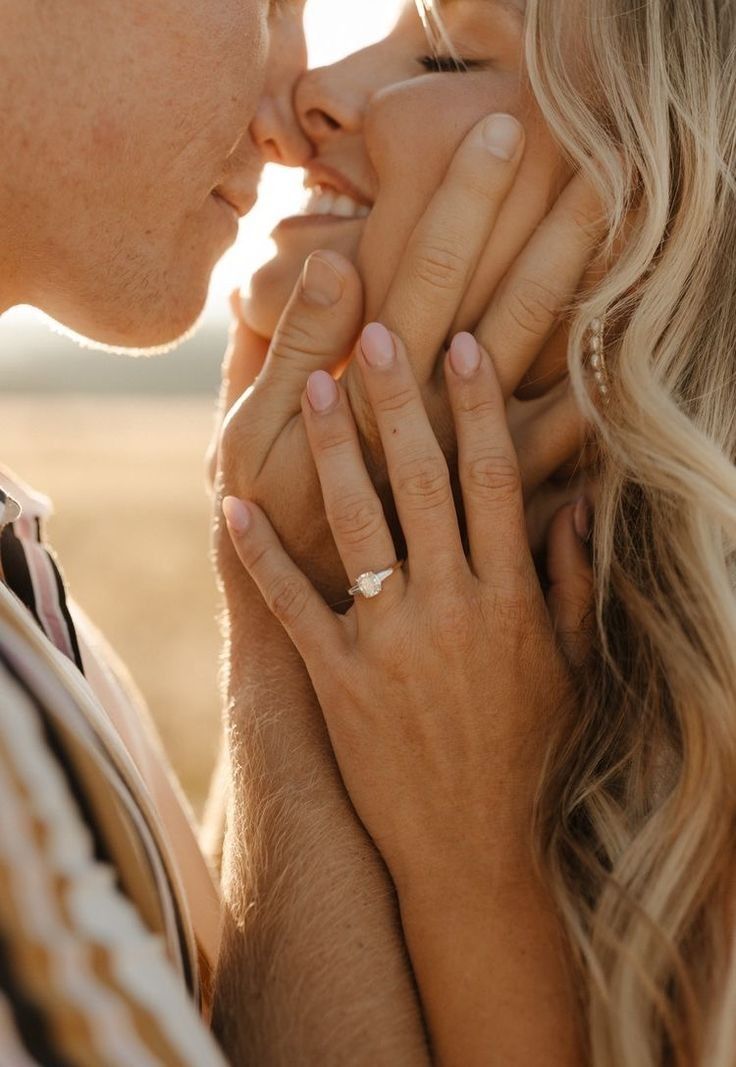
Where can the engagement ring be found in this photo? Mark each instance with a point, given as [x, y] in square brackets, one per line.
[370, 584]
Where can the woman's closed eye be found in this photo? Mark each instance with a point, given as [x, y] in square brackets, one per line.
[436, 64]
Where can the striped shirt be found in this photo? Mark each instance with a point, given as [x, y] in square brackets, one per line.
[109, 919]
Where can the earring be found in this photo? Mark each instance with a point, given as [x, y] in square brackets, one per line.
[597, 357]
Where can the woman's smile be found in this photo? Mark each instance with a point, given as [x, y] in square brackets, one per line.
[331, 197]
[384, 124]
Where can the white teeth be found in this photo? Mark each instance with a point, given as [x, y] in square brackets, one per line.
[323, 201]
[326, 203]
[345, 207]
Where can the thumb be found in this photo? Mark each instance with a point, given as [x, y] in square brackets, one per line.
[570, 596]
[316, 332]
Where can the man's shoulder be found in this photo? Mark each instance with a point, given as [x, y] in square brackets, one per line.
[73, 947]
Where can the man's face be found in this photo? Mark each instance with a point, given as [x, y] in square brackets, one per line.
[125, 132]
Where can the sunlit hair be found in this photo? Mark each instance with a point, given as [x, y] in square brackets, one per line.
[637, 816]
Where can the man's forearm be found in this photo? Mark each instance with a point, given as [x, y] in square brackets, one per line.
[313, 969]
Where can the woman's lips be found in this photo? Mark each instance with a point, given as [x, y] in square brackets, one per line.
[298, 222]
[327, 206]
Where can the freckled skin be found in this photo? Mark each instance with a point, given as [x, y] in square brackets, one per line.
[118, 118]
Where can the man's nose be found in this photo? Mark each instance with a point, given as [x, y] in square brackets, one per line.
[277, 133]
[275, 129]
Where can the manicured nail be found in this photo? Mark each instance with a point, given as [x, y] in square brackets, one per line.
[321, 282]
[502, 135]
[321, 392]
[377, 345]
[583, 519]
[464, 355]
[237, 514]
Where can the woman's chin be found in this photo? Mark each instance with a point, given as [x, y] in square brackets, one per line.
[271, 287]
[269, 292]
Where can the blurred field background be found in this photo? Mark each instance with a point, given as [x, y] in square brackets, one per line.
[131, 531]
[118, 444]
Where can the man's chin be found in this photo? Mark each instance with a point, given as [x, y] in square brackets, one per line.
[133, 336]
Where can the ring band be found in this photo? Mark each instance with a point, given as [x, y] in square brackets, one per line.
[370, 584]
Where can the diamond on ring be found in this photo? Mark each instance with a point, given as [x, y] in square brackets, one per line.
[370, 584]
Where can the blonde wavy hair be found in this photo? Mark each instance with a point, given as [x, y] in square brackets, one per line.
[637, 813]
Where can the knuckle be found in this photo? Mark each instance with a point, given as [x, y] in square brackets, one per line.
[478, 408]
[397, 401]
[287, 599]
[424, 481]
[332, 440]
[296, 336]
[356, 519]
[231, 457]
[454, 626]
[533, 307]
[483, 188]
[255, 555]
[587, 217]
[438, 265]
[493, 474]
[509, 609]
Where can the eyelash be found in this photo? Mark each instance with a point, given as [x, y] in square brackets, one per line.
[449, 65]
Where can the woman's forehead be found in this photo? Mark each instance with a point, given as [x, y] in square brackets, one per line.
[514, 7]
[431, 13]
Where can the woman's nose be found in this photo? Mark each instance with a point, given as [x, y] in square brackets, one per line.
[329, 104]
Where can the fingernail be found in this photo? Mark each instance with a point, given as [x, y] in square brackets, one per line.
[583, 519]
[321, 283]
[237, 514]
[321, 391]
[464, 355]
[502, 135]
[377, 345]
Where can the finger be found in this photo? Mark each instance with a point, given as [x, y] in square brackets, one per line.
[547, 432]
[289, 595]
[541, 285]
[243, 362]
[352, 506]
[245, 355]
[417, 469]
[447, 243]
[570, 596]
[487, 465]
[317, 329]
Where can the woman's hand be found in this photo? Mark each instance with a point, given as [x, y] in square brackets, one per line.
[441, 695]
[263, 449]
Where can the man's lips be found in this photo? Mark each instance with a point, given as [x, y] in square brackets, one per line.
[240, 202]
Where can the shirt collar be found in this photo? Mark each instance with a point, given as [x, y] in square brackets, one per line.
[17, 498]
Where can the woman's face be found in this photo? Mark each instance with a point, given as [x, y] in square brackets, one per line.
[385, 123]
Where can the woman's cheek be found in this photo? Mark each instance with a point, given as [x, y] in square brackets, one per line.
[412, 132]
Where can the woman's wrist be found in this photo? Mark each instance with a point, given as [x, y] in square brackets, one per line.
[500, 867]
